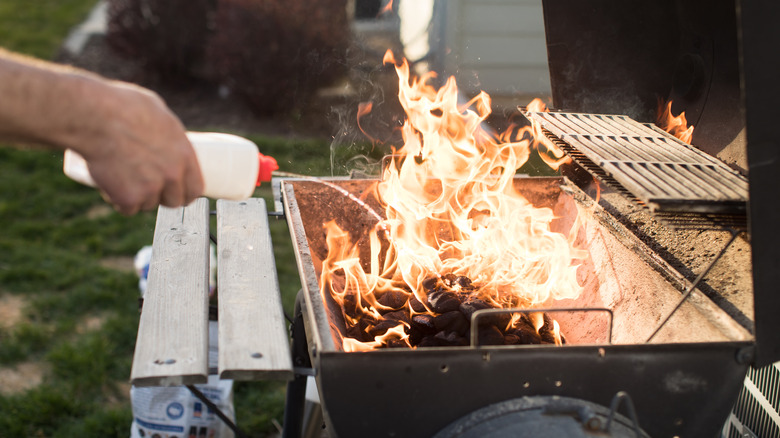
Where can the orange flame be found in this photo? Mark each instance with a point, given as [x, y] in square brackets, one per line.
[365, 108]
[550, 152]
[451, 208]
[675, 125]
[388, 8]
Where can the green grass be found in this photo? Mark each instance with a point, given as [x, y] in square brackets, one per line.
[51, 249]
[55, 234]
[37, 27]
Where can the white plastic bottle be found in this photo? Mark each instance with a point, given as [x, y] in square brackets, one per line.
[231, 165]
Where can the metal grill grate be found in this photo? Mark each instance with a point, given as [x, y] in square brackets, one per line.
[666, 174]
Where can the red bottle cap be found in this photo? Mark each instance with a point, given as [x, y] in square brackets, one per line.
[267, 166]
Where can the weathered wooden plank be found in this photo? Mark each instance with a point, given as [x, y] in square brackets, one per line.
[172, 344]
[253, 340]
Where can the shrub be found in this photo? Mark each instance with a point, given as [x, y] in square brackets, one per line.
[167, 36]
[276, 53]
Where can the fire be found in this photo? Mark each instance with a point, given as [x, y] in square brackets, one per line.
[675, 125]
[548, 151]
[457, 236]
[388, 8]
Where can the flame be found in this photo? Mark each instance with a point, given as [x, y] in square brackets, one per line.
[675, 125]
[551, 153]
[598, 189]
[388, 8]
[365, 108]
[451, 210]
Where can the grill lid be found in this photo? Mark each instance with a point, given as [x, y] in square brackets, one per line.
[657, 168]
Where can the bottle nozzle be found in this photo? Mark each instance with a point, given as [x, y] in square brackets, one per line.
[267, 166]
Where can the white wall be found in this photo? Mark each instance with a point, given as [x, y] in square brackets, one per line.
[493, 45]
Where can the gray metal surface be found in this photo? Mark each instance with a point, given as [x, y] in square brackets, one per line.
[655, 167]
[536, 416]
[677, 389]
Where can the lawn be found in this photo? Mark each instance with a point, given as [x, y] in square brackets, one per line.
[68, 294]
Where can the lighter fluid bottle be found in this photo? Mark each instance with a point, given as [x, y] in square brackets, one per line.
[231, 165]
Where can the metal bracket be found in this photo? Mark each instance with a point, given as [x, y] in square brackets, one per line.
[228, 422]
[613, 407]
[695, 284]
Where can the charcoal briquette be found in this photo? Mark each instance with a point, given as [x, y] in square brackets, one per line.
[381, 328]
[398, 315]
[430, 283]
[490, 335]
[443, 301]
[423, 323]
[452, 322]
[416, 305]
[395, 299]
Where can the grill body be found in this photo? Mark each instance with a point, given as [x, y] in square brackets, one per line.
[683, 385]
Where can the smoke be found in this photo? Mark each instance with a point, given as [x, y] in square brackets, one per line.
[366, 124]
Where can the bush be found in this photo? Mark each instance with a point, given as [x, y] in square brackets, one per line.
[167, 36]
[276, 53]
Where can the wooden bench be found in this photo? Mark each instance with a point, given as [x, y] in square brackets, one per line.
[172, 344]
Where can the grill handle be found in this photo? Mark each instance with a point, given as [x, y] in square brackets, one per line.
[485, 312]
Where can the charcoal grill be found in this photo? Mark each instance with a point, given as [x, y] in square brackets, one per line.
[694, 358]
[685, 330]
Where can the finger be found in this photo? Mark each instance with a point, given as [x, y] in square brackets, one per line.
[194, 187]
[127, 209]
[150, 203]
[172, 194]
[193, 181]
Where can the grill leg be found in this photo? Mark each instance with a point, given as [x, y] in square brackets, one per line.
[296, 389]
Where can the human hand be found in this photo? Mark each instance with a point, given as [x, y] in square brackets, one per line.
[136, 149]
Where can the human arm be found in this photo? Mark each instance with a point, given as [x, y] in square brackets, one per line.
[135, 147]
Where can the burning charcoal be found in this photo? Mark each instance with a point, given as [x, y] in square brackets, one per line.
[430, 283]
[450, 339]
[421, 326]
[394, 299]
[526, 335]
[546, 331]
[364, 324]
[547, 337]
[416, 305]
[428, 341]
[351, 305]
[452, 322]
[398, 315]
[423, 323]
[471, 305]
[449, 279]
[381, 328]
[524, 324]
[490, 335]
[443, 301]
[396, 343]
[511, 339]
[356, 333]
[457, 281]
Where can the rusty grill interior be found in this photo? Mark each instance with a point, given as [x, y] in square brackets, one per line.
[618, 275]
